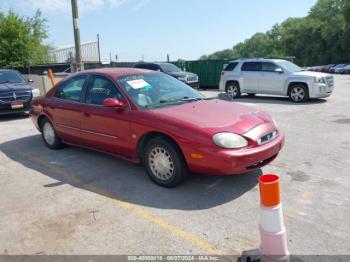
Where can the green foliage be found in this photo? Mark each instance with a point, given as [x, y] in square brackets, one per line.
[21, 40]
[322, 37]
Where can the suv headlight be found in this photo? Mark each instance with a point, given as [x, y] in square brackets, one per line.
[35, 93]
[182, 78]
[320, 80]
[229, 140]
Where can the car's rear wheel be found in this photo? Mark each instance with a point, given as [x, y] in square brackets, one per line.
[233, 91]
[298, 93]
[164, 163]
[49, 135]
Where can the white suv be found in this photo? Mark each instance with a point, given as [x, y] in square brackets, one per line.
[274, 77]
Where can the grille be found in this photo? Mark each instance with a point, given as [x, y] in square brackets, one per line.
[330, 81]
[267, 138]
[17, 96]
[192, 79]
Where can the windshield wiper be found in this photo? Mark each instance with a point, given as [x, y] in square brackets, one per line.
[183, 99]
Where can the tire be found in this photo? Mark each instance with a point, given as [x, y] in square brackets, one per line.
[298, 93]
[233, 90]
[49, 135]
[164, 163]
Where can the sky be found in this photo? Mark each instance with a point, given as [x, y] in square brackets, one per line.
[151, 29]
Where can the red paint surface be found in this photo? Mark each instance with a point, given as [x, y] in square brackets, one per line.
[190, 125]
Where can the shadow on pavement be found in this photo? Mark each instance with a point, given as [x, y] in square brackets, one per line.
[118, 179]
[12, 117]
[269, 100]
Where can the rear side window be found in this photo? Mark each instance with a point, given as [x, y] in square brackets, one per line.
[251, 66]
[231, 66]
[71, 89]
[153, 67]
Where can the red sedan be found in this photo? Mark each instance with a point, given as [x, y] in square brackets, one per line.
[149, 117]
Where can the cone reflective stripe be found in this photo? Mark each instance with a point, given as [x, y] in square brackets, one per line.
[271, 219]
[273, 235]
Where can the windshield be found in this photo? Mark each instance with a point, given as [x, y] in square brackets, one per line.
[170, 68]
[10, 77]
[289, 66]
[156, 90]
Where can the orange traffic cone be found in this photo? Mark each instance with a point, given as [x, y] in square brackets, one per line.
[273, 235]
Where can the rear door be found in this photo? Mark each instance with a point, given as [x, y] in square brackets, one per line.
[65, 108]
[106, 129]
[271, 80]
[250, 72]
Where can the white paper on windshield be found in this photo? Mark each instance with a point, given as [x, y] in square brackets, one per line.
[138, 84]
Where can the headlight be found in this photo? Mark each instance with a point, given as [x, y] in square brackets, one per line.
[320, 80]
[182, 78]
[229, 140]
[35, 93]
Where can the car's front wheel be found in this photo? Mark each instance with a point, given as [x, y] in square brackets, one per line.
[49, 135]
[164, 163]
[233, 91]
[298, 93]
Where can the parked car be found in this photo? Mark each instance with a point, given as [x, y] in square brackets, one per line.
[344, 70]
[326, 68]
[172, 70]
[274, 77]
[150, 117]
[16, 92]
[334, 68]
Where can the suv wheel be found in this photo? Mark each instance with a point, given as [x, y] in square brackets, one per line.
[49, 135]
[299, 93]
[233, 91]
[164, 163]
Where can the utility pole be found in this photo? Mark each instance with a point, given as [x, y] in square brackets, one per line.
[98, 46]
[79, 65]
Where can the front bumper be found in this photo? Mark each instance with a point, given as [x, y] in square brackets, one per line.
[321, 91]
[5, 109]
[230, 162]
[194, 85]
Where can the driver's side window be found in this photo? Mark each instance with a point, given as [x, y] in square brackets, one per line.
[270, 67]
[99, 89]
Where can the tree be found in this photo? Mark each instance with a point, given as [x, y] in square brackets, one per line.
[322, 37]
[21, 40]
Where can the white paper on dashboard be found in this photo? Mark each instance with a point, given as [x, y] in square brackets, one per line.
[138, 84]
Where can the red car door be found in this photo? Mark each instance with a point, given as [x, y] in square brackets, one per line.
[103, 128]
[64, 107]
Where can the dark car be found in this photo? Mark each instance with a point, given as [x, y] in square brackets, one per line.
[334, 68]
[15, 92]
[172, 70]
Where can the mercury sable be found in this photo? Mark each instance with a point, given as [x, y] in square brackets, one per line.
[150, 117]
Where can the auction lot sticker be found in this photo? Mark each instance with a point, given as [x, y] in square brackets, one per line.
[138, 84]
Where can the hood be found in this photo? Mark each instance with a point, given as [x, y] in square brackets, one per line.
[181, 73]
[11, 87]
[214, 116]
[311, 73]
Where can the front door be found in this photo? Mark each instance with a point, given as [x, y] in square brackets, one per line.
[103, 128]
[271, 80]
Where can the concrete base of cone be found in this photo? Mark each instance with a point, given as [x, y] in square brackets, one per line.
[250, 256]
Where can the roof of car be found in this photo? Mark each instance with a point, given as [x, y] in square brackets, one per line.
[257, 60]
[116, 72]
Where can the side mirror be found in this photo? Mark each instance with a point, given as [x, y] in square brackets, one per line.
[279, 70]
[30, 80]
[111, 102]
